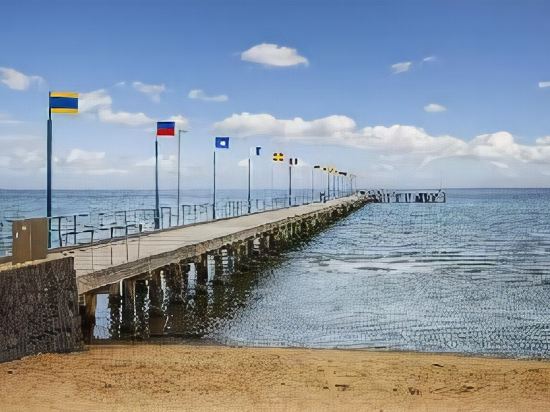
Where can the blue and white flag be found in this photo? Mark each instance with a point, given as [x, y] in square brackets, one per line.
[222, 142]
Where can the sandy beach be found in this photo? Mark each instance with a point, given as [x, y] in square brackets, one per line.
[194, 377]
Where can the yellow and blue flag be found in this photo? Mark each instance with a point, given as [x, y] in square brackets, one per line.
[64, 102]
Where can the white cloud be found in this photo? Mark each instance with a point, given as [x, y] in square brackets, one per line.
[398, 140]
[124, 118]
[166, 163]
[152, 90]
[201, 95]
[270, 54]
[94, 100]
[434, 108]
[542, 85]
[401, 67]
[18, 81]
[246, 124]
[543, 140]
[181, 121]
[429, 59]
[79, 155]
[99, 102]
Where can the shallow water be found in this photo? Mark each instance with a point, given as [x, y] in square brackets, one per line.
[469, 276]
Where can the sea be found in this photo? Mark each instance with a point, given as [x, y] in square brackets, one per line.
[469, 276]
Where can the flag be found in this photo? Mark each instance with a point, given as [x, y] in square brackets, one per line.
[278, 157]
[293, 161]
[258, 149]
[222, 142]
[317, 167]
[63, 102]
[166, 128]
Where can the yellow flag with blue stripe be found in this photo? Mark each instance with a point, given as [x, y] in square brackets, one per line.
[64, 102]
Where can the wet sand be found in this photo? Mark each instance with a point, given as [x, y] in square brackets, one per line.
[184, 377]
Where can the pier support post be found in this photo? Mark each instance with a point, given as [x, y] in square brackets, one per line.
[174, 282]
[201, 268]
[88, 316]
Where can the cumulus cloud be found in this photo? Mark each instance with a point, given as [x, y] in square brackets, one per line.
[16, 80]
[152, 90]
[166, 163]
[434, 108]
[99, 103]
[88, 102]
[181, 121]
[543, 140]
[543, 85]
[124, 118]
[401, 67]
[270, 54]
[79, 155]
[199, 94]
[396, 140]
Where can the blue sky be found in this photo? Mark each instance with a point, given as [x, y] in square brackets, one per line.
[401, 93]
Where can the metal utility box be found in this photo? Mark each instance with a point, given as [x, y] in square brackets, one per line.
[30, 239]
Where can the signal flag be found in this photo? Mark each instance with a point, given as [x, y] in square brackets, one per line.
[278, 157]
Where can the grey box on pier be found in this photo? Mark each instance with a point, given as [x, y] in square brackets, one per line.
[30, 240]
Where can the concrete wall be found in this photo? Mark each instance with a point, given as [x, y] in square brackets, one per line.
[39, 310]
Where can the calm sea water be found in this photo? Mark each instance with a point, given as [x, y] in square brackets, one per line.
[469, 276]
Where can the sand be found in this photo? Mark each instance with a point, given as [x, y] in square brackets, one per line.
[194, 377]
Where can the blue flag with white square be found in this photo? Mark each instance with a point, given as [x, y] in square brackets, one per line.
[222, 142]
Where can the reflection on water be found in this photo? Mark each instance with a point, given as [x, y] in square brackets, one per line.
[179, 304]
[469, 276]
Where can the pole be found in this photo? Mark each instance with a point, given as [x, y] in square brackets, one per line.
[157, 202]
[214, 195]
[49, 173]
[312, 184]
[179, 173]
[290, 184]
[249, 204]
[328, 185]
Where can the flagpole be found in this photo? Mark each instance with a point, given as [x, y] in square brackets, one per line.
[328, 184]
[157, 214]
[179, 170]
[179, 173]
[290, 183]
[214, 196]
[249, 204]
[49, 172]
[312, 184]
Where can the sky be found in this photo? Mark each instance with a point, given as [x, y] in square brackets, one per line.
[403, 94]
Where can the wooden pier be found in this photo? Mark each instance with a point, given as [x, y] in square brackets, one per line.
[110, 261]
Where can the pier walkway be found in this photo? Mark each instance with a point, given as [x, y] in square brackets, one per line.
[107, 262]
